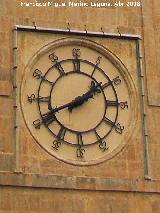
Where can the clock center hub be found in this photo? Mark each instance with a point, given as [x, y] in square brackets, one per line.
[85, 114]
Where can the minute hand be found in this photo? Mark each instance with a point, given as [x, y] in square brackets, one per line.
[79, 100]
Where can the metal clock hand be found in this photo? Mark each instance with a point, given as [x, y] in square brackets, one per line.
[79, 100]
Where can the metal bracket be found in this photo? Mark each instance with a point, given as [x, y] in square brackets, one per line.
[85, 29]
[68, 27]
[119, 31]
[77, 32]
[102, 31]
[147, 174]
[15, 105]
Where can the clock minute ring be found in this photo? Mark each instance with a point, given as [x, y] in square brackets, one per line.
[93, 89]
[94, 80]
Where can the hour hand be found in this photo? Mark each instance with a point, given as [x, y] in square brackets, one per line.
[94, 88]
[79, 100]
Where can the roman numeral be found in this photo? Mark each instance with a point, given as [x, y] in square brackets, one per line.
[80, 150]
[60, 68]
[111, 103]
[118, 128]
[102, 144]
[38, 75]
[79, 139]
[32, 98]
[76, 64]
[106, 84]
[43, 99]
[48, 118]
[60, 136]
[122, 105]
[54, 58]
[96, 65]
[108, 121]
[61, 133]
[116, 81]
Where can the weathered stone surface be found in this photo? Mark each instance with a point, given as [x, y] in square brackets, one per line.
[21, 199]
[5, 88]
[81, 189]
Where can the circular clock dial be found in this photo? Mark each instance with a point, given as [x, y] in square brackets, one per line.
[76, 101]
[77, 84]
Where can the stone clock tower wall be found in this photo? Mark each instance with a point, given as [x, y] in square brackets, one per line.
[33, 181]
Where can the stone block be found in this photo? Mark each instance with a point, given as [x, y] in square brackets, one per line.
[5, 88]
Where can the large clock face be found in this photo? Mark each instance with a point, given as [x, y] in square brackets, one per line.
[77, 101]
